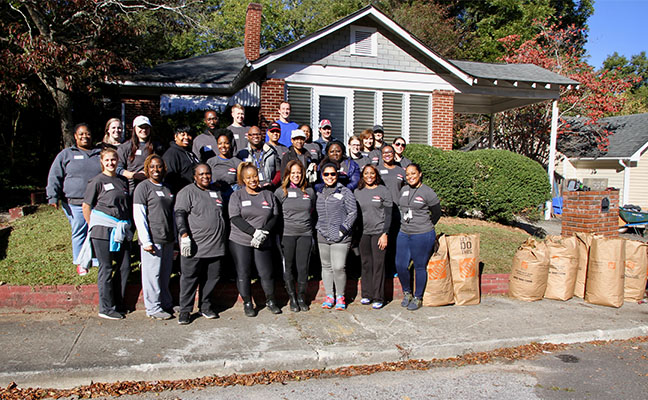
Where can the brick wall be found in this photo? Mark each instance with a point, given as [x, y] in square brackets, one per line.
[582, 213]
[442, 118]
[149, 106]
[272, 94]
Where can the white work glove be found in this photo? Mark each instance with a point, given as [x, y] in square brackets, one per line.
[311, 173]
[260, 235]
[185, 246]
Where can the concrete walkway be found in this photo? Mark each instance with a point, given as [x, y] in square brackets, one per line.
[63, 350]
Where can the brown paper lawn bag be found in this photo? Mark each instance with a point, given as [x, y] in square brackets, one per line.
[605, 272]
[563, 267]
[636, 268]
[528, 279]
[464, 265]
[438, 291]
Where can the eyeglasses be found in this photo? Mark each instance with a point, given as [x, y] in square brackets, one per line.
[399, 144]
[329, 174]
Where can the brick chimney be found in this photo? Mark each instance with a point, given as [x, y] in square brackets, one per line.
[252, 44]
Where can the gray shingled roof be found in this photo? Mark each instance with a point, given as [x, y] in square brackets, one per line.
[629, 134]
[215, 68]
[512, 72]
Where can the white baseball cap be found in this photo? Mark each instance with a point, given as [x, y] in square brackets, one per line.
[141, 120]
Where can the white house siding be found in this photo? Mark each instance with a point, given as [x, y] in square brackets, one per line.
[600, 169]
[639, 183]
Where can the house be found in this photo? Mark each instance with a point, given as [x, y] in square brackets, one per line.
[624, 164]
[362, 70]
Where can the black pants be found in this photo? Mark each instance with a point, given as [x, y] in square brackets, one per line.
[201, 273]
[245, 257]
[296, 252]
[373, 268]
[111, 279]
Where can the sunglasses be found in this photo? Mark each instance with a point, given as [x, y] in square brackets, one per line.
[329, 174]
[399, 144]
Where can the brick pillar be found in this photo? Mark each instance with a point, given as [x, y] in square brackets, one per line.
[582, 213]
[442, 118]
[272, 94]
[252, 42]
[149, 106]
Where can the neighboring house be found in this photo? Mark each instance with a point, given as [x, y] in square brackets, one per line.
[362, 70]
[624, 164]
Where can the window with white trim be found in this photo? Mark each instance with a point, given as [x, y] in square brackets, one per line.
[364, 41]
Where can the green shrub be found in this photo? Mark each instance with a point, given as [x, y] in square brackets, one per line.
[496, 183]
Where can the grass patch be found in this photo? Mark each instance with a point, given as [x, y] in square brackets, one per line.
[497, 243]
[39, 252]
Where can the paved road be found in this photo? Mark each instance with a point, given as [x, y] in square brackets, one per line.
[582, 371]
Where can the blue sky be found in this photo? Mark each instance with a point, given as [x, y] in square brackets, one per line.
[617, 25]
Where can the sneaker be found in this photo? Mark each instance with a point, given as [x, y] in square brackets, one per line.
[160, 315]
[407, 297]
[377, 305]
[81, 270]
[415, 304]
[340, 304]
[328, 302]
[112, 314]
[365, 301]
[184, 318]
[209, 314]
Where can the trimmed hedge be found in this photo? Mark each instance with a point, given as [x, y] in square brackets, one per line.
[496, 183]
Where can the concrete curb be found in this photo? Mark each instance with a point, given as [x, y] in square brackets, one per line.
[70, 297]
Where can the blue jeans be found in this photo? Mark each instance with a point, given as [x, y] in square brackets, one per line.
[79, 227]
[417, 248]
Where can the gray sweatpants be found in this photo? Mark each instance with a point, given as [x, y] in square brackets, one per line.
[333, 257]
[156, 271]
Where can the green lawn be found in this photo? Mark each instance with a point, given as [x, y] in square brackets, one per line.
[38, 251]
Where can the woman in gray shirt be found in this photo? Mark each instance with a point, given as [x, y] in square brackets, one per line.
[336, 212]
[375, 211]
[420, 209]
[253, 213]
[297, 206]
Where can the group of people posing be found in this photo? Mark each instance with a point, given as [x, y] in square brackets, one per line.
[233, 194]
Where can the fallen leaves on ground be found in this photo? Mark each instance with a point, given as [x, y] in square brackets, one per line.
[13, 392]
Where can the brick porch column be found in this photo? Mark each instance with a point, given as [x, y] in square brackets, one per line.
[272, 94]
[442, 119]
[582, 213]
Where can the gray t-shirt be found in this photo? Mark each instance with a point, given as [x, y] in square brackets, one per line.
[373, 205]
[204, 146]
[297, 209]
[158, 200]
[394, 179]
[240, 135]
[416, 204]
[224, 170]
[205, 217]
[374, 156]
[314, 150]
[136, 164]
[108, 194]
[255, 209]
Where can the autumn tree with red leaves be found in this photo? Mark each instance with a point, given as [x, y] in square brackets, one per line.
[68, 47]
[526, 130]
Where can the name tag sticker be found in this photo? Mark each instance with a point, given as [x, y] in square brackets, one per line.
[292, 195]
[236, 136]
[159, 193]
[213, 195]
[338, 196]
[260, 176]
[108, 186]
[383, 172]
[138, 152]
[78, 157]
[405, 193]
[246, 203]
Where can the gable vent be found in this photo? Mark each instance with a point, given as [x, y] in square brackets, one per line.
[363, 41]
